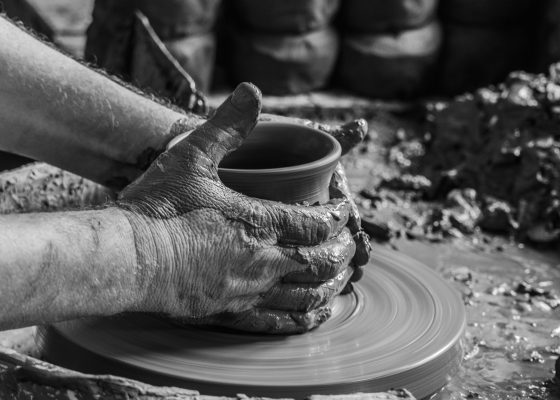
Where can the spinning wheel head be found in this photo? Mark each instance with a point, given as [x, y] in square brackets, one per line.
[401, 328]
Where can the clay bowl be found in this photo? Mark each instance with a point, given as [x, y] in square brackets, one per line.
[284, 162]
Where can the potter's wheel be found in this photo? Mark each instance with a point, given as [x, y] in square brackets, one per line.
[401, 328]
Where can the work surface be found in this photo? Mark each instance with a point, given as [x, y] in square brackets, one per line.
[511, 291]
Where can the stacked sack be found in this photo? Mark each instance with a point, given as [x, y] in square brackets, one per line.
[485, 40]
[283, 46]
[390, 48]
[185, 27]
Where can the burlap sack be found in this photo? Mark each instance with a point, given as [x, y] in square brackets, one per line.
[285, 16]
[390, 66]
[284, 64]
[382, 16]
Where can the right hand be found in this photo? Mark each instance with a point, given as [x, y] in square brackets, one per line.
[210, 255]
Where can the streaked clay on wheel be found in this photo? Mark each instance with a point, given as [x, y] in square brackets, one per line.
[401, 328]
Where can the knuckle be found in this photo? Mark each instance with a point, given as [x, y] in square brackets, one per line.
[363, 249]
[313, 299]
[357, 274]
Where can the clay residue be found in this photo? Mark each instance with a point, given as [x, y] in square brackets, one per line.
[41, 187]
[504, 142]
[490, 159]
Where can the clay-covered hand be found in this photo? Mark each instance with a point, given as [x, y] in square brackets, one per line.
[349, 135]
[210, 255]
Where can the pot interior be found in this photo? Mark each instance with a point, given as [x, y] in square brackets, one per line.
[280, 145]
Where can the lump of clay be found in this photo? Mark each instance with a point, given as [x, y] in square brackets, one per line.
[368, 16]
[390, 66]
[478, 56]
[503, 142]
[285, 16]
[284, 64]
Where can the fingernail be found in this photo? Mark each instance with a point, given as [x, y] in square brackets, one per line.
[245, 96]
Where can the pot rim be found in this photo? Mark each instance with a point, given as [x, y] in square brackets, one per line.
[326, 161]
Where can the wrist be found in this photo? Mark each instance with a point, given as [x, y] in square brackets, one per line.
[157, 248]
[115, 257]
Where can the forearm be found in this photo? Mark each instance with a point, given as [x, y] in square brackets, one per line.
[58, 266]
[54, 109]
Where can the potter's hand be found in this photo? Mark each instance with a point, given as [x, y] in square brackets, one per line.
[348, 135]
[208, 254]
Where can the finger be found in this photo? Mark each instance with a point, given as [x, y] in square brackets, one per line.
[363, 249]
[348, 135]
[357, 275]
[305, 297]
[259, 320]
[268, 266]
[320, 263]
[232, 122]
[339, 188]
[307, 225]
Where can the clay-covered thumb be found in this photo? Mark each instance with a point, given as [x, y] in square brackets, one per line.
[226, 129]
[350, 134]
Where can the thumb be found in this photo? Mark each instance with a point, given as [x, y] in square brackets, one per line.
[229, 126]
[350, 134]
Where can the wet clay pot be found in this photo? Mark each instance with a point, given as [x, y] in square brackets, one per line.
[285, 162]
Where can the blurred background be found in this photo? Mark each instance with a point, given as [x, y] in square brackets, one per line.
[383, 49]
